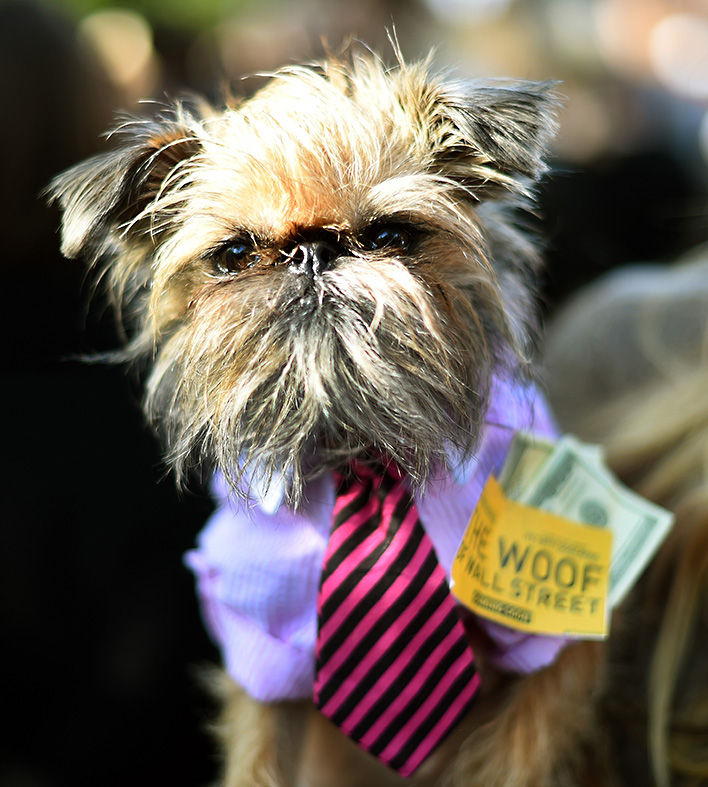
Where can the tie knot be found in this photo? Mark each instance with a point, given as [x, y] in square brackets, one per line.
[370, 468]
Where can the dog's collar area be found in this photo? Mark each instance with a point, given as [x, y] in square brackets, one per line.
[258, 563]
[269, 493]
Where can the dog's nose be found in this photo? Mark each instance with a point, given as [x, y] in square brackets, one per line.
[312, 257]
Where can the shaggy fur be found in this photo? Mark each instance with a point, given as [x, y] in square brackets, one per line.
[407, 182]
[334, 269]
[523, 732]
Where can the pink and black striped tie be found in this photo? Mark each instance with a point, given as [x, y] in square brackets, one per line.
[393, 667]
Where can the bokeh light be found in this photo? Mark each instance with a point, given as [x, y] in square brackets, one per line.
[455, 12]
[123, 41]
[678, 47]
[624, 28]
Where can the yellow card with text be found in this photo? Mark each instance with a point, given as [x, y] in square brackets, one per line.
[533, 571]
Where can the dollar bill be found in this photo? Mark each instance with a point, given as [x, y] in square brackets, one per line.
[526, 456]
[571, 480]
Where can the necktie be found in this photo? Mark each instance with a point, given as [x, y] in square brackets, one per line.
[393, 667]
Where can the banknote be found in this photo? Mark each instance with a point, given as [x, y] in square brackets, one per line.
[526, 456]
[569, 478]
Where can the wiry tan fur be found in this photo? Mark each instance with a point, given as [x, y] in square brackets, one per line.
[540, 730]
[202, 221]
[296, 375]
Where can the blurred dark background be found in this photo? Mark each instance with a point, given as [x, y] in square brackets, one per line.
[103, 641]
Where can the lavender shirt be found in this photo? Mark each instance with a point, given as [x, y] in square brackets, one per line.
[258, 564]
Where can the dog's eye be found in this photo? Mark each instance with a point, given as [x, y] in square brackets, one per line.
[390, 236]
[235, 257]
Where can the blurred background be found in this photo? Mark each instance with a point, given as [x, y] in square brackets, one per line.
[103, 641]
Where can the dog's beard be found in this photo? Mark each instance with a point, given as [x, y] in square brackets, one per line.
[297, 375]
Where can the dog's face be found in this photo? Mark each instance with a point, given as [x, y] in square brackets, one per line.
[326, 269]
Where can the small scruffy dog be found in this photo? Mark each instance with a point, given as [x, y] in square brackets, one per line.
[332, 275]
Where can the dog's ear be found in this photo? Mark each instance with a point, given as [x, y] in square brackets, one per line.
[107, 199]
[494, 136]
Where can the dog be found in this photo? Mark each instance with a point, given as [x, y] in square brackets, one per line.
[335, 273]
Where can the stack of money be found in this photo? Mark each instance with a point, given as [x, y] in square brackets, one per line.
[570, 479]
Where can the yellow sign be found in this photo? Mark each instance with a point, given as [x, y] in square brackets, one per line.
[533, 571]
